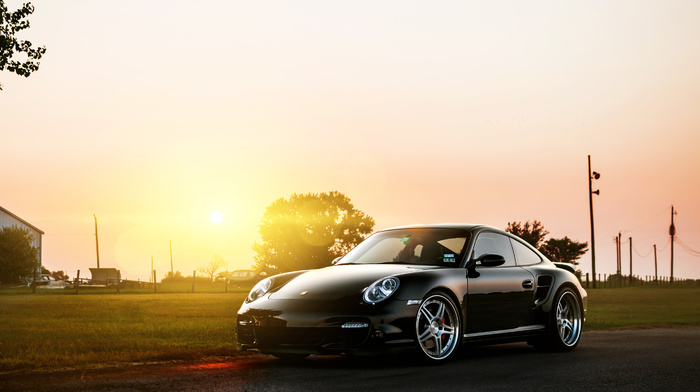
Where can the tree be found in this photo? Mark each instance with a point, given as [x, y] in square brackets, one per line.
[210, 269]
[58, 275]
[532, 233]
[170, 276]
[10, 24]
[308, 231]
[564, 250]
[18, 258]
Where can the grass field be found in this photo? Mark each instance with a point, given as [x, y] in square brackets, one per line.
[56, 331]
[643, 307]
[51, 330]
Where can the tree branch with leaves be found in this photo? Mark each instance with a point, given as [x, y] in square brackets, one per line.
[12, 23]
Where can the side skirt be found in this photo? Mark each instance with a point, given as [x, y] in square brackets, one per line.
[505, 335]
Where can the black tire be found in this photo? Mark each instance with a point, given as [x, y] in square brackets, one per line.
[438, 328]
[565, 323]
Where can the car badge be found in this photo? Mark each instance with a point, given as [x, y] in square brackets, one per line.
[304, 292]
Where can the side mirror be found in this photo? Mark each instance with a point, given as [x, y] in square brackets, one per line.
[490, 260]
[336, 260]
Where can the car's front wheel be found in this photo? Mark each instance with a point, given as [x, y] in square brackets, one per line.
[437, 327]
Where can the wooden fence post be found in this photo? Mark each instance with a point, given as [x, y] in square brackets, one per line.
[194, 276]
[119, 280]
[154, 281]
[77, 281]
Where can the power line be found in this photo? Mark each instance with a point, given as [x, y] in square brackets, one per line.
[649, 220]
[687, 248]
[668, 241]
[639, 254]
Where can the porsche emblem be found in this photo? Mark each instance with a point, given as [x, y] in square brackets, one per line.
[303, 293]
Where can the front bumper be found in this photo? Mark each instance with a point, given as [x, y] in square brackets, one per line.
[325, 327]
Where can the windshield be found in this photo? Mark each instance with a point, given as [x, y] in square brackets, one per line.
[420, 246]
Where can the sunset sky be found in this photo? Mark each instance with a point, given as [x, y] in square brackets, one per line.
[154, 114]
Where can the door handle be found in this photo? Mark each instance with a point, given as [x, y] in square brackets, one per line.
[527, 284]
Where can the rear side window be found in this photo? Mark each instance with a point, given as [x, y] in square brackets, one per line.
[524, 255]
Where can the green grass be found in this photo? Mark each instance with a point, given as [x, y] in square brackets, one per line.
[643, 307]
[58, 329]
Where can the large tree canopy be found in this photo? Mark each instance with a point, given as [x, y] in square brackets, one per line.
[10, 24]
[564, 250]
[532, 232]
[18, 258]
[309, 231]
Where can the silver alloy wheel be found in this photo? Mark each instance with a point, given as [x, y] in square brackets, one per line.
[437, 327]
[568, 318]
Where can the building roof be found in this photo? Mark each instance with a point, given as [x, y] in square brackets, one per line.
[22, 220]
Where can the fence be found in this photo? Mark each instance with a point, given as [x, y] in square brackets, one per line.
[615, 280]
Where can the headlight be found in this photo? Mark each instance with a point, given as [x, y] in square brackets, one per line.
[260, 289]
[381, 290]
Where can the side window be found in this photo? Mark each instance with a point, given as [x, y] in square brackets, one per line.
[525, 255]
[494, 243]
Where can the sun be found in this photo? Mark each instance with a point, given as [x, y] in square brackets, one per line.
[216, 217]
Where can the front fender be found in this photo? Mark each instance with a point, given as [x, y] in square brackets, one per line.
[415, 286]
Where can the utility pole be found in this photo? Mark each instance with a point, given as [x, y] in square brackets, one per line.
[619, 257]
[630, 260]
[591, 176]
[617, 251]
[97, 243]
[619, 254]
[672, 232]
[171, 258]
[656, 271]
[152, 276]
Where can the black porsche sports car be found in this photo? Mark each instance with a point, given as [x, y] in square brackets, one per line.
[430, 289]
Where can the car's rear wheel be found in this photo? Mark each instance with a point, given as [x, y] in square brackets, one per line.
[437, 327]
[566, 322]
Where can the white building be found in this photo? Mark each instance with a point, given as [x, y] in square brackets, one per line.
[8, 219]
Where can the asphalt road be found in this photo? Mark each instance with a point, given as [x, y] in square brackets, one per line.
[639, 360]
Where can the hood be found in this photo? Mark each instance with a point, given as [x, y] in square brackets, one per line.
[340, 281]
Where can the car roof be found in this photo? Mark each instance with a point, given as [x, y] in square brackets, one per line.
[462, 226]
[473, 228]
